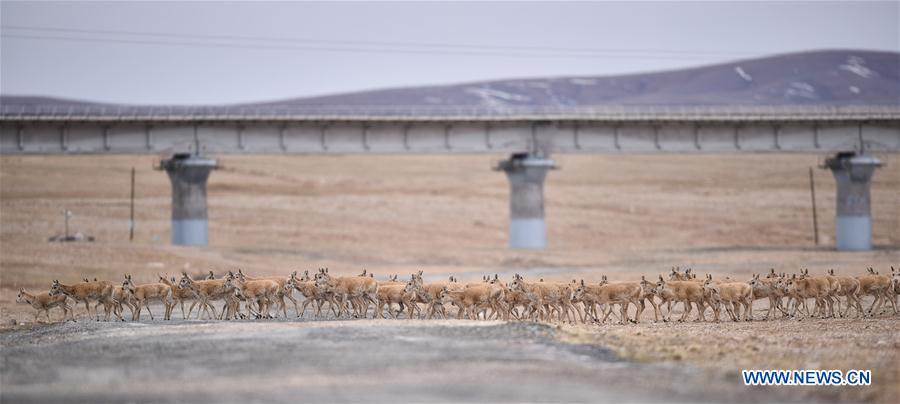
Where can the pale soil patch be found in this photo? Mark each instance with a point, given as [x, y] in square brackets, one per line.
[728, 347]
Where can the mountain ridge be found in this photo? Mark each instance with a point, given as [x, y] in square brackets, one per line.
[827, 77]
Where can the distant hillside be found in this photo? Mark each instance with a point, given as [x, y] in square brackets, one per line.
[826, 77]
[834, 77]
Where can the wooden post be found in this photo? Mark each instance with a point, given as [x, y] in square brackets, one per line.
[812, 194]
[131, 220]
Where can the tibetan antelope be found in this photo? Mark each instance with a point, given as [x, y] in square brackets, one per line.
[43, 302]
[733, 295]
[359, 291]
[206, 291]
[801, 288]
[145, 293]
[403, 294]
[768, 288]
[686, 292]
[432, 293]
[496, 292]
[518, 298]
[849, 288]
[475, 297]
[311, 294]
[393, 280]
[179, 295]
[830, 287]
[120, 299]
[611, 294]
[99, 291]
[437, 293]
[263, 292]
[645, 293]
[560, 299]
[282, 291]
[437, 303]
[878, 286]
[648, 293]
[552, 296]
[678, 275]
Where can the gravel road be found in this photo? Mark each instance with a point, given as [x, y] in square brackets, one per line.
[343, 361]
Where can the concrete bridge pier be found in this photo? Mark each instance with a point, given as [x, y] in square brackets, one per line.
[188, 174]
[526, 173]
[853, 172]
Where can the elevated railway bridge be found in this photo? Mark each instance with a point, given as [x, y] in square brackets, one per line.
[531, 136]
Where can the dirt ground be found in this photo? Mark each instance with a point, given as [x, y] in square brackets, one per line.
[727, 348]
[361, 361]
[621, 216]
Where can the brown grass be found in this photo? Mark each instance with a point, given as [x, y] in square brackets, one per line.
[617, 215]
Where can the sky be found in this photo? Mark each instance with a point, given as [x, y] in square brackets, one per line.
[214, 52]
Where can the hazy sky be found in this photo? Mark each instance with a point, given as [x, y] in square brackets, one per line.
[226, 52]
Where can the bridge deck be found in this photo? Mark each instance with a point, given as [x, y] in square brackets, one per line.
[56, 129]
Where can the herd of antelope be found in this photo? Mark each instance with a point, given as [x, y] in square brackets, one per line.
[351, 296]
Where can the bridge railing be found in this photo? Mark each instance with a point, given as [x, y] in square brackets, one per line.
[13, 112]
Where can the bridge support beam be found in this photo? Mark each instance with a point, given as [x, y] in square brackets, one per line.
[188, 174]
[853, 172]
[526, 173]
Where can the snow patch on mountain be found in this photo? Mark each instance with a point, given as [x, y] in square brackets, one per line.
[802, 90]
[856, 65]
[583, 81]
[740, 71]
[854, 89]
[803, 86]
[492, 98]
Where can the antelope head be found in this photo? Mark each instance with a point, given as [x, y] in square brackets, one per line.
[660, 284]
[22, 297]
[186, 282]
[645, 284]
[518, 283]
[128, 285]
